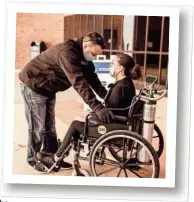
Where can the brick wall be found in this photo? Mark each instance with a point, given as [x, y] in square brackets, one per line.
[50, 29]
[36, 27]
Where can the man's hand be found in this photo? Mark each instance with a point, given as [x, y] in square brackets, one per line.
[105, 115]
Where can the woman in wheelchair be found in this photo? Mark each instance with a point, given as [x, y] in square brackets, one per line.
[120, 95]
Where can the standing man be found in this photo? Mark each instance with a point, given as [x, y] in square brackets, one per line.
[57, 69]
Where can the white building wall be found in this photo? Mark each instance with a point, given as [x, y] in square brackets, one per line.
[128, 32]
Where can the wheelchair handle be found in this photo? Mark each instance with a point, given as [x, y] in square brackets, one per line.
[150, 76]
[155, 99]
[120, 118]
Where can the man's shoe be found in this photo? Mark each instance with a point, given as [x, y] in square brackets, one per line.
[31, 165]
[39, 167]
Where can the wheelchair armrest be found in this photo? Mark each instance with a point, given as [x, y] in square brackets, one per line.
[120, 118]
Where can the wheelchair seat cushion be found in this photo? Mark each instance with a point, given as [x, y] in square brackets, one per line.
[96, 128]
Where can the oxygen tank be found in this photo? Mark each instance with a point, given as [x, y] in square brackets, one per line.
[148, 128]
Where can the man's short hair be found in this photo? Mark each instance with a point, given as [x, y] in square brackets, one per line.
[95, 38]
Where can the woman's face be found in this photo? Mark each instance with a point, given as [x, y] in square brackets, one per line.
[115, 67]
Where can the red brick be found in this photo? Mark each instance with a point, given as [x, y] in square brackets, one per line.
[48, 28]
[36, 27]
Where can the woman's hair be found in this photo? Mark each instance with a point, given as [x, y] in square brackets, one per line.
[136, 72]
[131, 69]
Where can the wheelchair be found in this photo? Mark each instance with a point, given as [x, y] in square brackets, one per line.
[122, 148]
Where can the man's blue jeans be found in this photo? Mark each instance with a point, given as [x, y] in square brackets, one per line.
[40, 115]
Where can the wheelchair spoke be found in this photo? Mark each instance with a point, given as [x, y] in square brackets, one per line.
[133, 154]
[124, 150]
[134, 173]
[111, 169]
[119, 172]
[136, 151]
[139, 164]
[111, 161]
[132, 147]
[114, 153]
[102, 152]
[125, 172]
[118, 151]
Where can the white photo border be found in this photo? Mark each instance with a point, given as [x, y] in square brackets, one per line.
[69, 8]
[191, 137]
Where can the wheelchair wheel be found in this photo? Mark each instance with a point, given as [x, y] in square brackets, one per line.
[158, 140]
[83, 173]
[121, 158]
[100, 156]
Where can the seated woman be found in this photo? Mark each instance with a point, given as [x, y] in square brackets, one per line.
[120, 96]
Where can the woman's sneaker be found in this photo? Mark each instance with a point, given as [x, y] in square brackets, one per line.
[49, 161]
[65, 166]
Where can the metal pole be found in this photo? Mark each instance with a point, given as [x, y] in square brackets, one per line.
[121, 46]
[86, 24]
[94, 23]
[75, 32]
[135, 33]
[161, 44]
[69, 27]
[111, 35]
[80, 25]
[146, 42]
[102, 26]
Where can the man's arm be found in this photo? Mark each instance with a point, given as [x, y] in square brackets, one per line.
[94, 81]
[70, 64]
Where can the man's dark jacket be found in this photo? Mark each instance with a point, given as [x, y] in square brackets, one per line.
[60, 67]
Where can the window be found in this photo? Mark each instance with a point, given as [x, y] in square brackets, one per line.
[146, 38]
